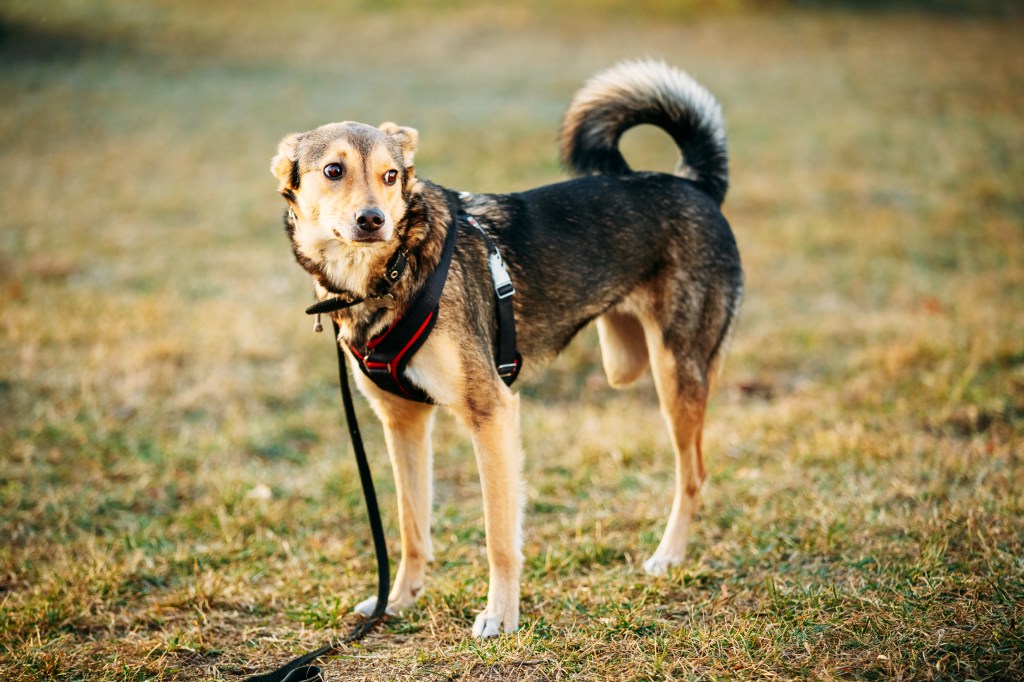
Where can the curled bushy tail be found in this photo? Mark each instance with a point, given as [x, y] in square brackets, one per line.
[646, 92]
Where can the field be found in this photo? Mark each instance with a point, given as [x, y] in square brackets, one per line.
[178, 499]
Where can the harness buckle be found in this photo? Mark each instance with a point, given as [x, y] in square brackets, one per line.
[508, 369]
[504, 291]
[376, 367]
[499, 275]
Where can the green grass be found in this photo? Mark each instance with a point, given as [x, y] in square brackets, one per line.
[177, 497]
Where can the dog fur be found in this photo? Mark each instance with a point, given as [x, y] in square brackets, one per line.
[649, 256]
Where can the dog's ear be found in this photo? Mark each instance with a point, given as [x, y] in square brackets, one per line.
[406, 139]
[284, 166]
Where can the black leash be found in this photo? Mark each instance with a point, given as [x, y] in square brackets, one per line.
[300, 669]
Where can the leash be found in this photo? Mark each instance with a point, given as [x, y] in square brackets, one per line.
[300, 669]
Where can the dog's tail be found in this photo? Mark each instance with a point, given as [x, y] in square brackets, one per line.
[633, 93]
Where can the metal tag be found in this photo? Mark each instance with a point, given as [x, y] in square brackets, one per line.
[375, 304]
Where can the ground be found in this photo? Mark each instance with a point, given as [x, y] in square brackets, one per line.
[177, 497]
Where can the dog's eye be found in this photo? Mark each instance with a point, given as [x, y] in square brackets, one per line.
[391, 177]
[334, 171]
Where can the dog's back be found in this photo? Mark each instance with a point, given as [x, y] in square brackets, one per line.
[600, 240]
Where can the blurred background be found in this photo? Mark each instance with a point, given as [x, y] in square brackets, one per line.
[176, 490]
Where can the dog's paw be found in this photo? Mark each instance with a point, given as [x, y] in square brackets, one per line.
[660, 565]
[366, 607]
[489, 624]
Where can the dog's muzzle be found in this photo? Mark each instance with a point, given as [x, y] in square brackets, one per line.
[371, 225]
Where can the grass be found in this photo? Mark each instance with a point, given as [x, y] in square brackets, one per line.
[177, 499]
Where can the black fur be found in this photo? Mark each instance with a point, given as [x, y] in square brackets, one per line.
[579, 247]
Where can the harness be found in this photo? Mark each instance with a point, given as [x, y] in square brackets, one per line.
[384, 358]
[508, 359]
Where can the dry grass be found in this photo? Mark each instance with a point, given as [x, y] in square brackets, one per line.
[176, 497]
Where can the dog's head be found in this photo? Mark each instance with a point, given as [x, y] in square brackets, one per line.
[347, 186]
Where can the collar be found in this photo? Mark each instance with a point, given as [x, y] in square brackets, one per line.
[393, 272]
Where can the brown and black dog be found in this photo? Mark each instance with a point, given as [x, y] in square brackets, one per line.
[649, 256]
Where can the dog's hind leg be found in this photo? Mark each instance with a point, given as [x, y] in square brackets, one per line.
[682, 387]
[623, 347]
[407, 427]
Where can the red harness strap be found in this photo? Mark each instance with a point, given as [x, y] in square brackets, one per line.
[387, 355]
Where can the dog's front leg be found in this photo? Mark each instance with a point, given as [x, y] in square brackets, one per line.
[407, 428]
[499, 461]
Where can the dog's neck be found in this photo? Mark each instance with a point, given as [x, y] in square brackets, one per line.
[420, 237]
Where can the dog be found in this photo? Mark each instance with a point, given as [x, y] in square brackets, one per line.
[648, 256]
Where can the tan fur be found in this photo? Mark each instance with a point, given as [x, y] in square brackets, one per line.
[496, 440]
[632, 337]
[490, 411]
[623, 347]
[406, 139]
[281, 165]
[682, 393]
[333, 204]
[407, 431]
[499, 462]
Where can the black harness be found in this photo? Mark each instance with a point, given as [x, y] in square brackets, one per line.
[385, 357]
[508, 359]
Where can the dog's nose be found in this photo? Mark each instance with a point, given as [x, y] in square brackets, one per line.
[370, 219]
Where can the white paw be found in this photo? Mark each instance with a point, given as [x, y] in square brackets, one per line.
[365, 608]
[490, 624]
[660, 565]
